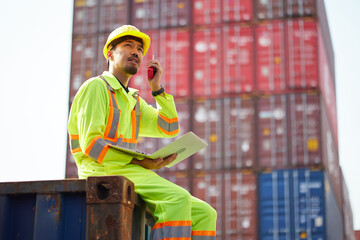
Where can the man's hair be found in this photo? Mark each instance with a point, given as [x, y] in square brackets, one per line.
[114, 43]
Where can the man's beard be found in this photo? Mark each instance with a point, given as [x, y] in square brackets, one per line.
[131, 70]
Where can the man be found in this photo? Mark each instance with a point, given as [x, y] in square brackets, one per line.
[106, 112]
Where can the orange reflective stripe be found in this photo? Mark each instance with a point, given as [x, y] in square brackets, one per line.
[88, 149]
[203, 233]
[133, 122]
[74, 137]
[76, 150]
[172, 223]
[169, 120]
[102, 154]
[170, 133]
[109, 123]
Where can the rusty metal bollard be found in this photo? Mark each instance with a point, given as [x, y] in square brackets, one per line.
[110, 203]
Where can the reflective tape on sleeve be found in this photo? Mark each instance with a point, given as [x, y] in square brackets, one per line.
[167, 125]
[75, 144]
[97, 149]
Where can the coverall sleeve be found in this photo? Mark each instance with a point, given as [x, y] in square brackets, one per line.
[161, 121]
[92, 114]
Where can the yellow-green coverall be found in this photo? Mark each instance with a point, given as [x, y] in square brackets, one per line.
[103, 113]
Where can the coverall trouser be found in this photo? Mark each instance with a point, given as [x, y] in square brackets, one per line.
[178, 215]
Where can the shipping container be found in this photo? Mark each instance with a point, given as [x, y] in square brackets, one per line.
[297, 204]
[347, 212]
[237, 10]
[206, 12]
[301, 41]
[207, 62]
[270, 56]
[93, 16]
[66, 209]
[327, 86]
[85, 17]
[112, 14]
[146, 14]
[239, 132]
[208, 187]
[240, 206]
[269, 9]
[238, 60]
[357, 234]
[234, 195]
[207, 124]
[272, 131]
[299, 8]
[330, 156]
[174, 13]
[305, 130]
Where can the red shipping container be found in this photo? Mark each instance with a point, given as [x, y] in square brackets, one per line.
[207, 62]
[357, 234]
[208, 186]
[174, 13]
[238, 66]
[270, 9]
[302, 71]
[237, 10]
[146, 14]
[239, 133]
[206, 12]
[300, 8]
[270, 56]
[174, 54]
[85, 19]
[347, 212]
[304, 130]
[272, 132]
[83, 57]
[112, 14]
[207, 122]
[327, 87]
[240, 206]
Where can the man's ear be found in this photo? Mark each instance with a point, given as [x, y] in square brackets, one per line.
[109, 54]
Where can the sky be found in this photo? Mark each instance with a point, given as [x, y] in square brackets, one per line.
[35, 57]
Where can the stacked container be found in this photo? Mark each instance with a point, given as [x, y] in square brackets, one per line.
[255, 79]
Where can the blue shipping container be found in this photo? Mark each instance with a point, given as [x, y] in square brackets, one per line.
[297, 204]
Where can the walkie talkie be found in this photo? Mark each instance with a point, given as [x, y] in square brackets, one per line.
[151, 70]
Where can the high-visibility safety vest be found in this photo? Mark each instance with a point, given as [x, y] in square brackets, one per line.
[104, 114]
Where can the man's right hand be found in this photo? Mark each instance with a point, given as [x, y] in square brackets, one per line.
[154, 163]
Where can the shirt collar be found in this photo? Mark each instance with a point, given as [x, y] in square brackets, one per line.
[114, 83]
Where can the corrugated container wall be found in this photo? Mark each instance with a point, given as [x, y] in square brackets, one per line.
[286, 199]
[349, 233]
[234, 195]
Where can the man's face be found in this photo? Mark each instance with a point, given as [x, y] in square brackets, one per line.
[127, 56]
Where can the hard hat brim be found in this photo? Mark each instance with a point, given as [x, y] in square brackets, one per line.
[145, 38]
